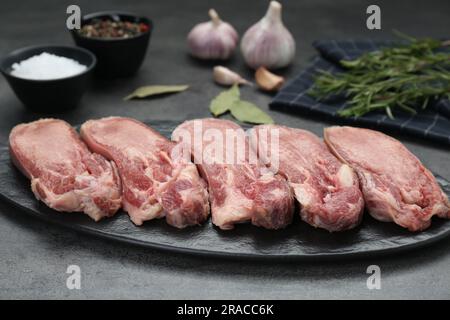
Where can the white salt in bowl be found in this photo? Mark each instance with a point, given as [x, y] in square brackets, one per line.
[63, 90]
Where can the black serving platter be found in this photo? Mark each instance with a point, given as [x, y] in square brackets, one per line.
[299, 241]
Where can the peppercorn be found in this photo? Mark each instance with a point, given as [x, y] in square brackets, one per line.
[113, 29]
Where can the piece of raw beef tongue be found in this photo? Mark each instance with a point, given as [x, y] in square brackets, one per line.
[64, 174]
[395, 184]
[240, 189]
[156, 183]
[327, 189]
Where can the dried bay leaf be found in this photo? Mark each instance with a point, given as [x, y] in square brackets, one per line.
[245, 111]
[223, 102]
[147, 91]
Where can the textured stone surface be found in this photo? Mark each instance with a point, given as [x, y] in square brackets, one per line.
[35, 255]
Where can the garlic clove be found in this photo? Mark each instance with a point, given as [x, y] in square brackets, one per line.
[268, 43]
[268, 81]
[214, 40]
[226, 77]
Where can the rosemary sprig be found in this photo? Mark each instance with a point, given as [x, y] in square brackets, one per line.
[404, 77]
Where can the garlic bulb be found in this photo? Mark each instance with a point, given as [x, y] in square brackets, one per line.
[213, 40]
[268, 43]
[268, 81]
[226, 77]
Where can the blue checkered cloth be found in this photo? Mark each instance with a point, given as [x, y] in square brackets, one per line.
[432, 123]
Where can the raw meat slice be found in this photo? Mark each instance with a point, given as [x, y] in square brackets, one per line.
[155, 182]
[64, 174]
[395, 184]
[327, 190]
[240, 189]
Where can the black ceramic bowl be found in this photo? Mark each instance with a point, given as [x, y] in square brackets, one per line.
[49, 95]
[117, 57]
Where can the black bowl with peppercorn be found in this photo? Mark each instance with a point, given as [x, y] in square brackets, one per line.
[119, 40]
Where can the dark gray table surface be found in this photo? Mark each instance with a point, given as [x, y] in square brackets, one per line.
[34, 255]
